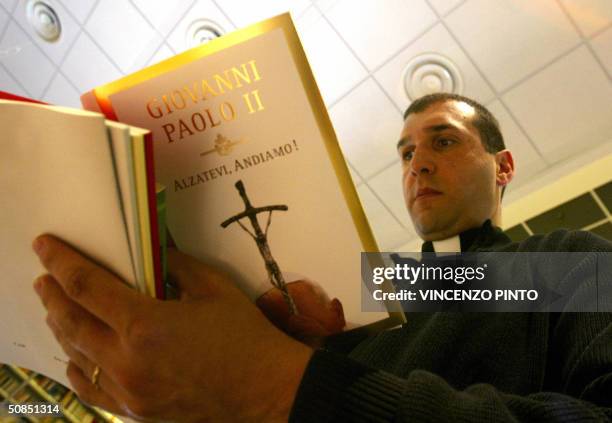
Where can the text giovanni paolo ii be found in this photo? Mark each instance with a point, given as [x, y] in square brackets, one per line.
[402, 274]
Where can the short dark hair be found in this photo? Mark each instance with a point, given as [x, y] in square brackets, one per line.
[484, 121]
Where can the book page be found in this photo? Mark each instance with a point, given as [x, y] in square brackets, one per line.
[121, 144]
[142, 208]
[242, 114]
[56, 177]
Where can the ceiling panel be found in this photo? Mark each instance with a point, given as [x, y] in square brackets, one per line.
[354, 175]
[602, 45]
[444, 6]
[368, 127]
[163, 14]
[87, 67]
[387, 231]
[589, 15]
[25, 62]
[565, 108]
[377, 29]
[388, 187]
[7, 83]
[4, 20]
[243, 13]
[115, 22]
[80, 9]
[8, 4]
[164, 52]
[201, 9]
[527, 160]
[334, 66]
[58, 49]
[508, 39]
[62, 93]
[438, 40]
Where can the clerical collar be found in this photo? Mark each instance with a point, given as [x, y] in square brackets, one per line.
[448, 245]
[483, 236]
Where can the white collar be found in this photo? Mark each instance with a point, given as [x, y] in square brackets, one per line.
[448, 245]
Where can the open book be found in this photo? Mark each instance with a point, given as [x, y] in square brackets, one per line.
[256, 182]
[78, 176]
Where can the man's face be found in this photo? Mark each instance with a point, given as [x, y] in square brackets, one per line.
[449, 179]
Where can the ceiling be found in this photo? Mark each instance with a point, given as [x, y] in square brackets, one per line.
[544, 68]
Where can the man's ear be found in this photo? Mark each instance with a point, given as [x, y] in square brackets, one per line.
[504, 167]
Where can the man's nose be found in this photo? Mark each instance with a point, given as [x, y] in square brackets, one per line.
[421, 163]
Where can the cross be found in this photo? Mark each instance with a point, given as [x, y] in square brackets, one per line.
[260, 237]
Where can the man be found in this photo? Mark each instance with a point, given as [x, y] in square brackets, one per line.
[212, 356]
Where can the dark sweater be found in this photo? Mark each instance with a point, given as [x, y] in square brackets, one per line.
[554, 367]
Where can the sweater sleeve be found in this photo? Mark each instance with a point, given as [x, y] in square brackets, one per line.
[336, 388]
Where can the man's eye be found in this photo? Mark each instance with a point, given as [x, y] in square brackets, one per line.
[407, 155]
[444, 142]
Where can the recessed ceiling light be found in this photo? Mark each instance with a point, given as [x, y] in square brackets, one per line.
[43, 19]
[202, 31]
[431, 73]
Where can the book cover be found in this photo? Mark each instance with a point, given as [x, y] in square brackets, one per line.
[256, 182]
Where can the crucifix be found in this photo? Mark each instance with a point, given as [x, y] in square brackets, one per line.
[260, 237]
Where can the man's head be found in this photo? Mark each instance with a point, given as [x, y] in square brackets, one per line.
[455, 165]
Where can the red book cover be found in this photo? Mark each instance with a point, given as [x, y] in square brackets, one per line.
[8, 96]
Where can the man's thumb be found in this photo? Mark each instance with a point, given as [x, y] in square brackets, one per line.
[191, 278]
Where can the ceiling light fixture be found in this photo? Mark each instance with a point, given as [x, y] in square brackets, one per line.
[202, 31]
[431, 73]
[43, 19]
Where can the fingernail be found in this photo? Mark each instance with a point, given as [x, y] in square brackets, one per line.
[38, 245]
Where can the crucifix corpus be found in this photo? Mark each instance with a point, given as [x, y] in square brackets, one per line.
[261, 239]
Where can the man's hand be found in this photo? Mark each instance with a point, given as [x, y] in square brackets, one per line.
[211, 356]
[318, 316]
